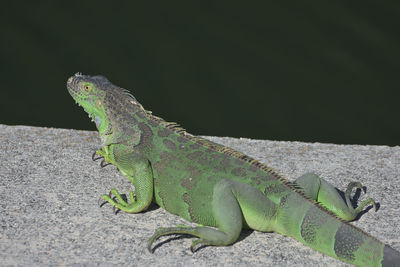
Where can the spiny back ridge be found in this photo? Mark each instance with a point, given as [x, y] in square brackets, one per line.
[293, 186]
[226, 150]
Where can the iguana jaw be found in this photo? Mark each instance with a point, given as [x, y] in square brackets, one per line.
[89, 101]
[89, 110]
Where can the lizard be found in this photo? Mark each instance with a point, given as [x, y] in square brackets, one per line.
[220, 189]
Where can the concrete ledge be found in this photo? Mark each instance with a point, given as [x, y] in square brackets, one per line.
[50, 187]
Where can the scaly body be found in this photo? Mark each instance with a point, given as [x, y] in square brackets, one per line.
[217, 187]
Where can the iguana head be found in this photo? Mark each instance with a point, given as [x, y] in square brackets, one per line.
[106, 104]
[87, 92]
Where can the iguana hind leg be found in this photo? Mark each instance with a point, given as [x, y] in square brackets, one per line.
[234, 204]
[326, 194]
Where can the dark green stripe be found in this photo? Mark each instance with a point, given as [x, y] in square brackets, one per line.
[312, 221]
[391, 257]
[347, 241]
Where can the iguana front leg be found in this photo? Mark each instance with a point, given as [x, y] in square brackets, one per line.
[138, 170]
[326, 194]
[234, 204]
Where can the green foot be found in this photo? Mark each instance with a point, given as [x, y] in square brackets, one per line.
[102, 153]
[174, 230]
[363, 203]
[120, 204]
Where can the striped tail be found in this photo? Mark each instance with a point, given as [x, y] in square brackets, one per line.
[391, 257]
[321, 230]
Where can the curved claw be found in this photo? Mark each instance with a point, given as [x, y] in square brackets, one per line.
[362, 188]
[100, 202]
[119, 201]
[173, 231]
[94, 156]
[365, 203]
[197, 242]
[351, 185]
[374, 206]
[115, 210]
[157, 234]
[193, 245]
[149, 246]
[103, 200]
[104, 163]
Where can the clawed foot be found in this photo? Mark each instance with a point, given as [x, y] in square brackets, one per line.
[170, 231]
[118, 201]
[363, 203]
[94, 158]
[101, 155]
[195, 243]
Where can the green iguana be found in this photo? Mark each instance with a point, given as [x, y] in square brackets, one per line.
[217, 187]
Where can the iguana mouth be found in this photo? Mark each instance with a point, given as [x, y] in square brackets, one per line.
[74, 91]
[71, 82]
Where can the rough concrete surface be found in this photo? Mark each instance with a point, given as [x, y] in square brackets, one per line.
[49, 212]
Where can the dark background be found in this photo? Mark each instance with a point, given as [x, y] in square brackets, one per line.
[308, 71]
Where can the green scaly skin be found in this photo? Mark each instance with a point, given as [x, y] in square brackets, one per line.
[217, 187]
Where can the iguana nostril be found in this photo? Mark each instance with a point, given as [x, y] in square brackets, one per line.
[70, 79]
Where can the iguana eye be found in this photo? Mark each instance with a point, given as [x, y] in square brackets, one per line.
[85, 86]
